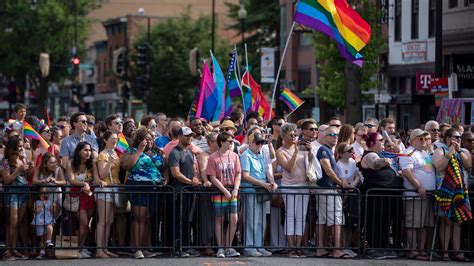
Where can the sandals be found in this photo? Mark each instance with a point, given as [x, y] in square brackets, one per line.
[459, 257]
[111, 254]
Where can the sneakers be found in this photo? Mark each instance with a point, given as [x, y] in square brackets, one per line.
[376, 254]
[220, 253]
[151, 254]
[264, 252]
[82, 254]
[49, 244]
[182, 254]
[252, 253]
[390, 254]
[230, 252]
[139, 255]
[193, 253]
[42, 255]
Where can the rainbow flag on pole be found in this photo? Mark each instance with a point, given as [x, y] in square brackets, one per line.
[122, 144]
[339, 21]
[291, 100]
[30, 132]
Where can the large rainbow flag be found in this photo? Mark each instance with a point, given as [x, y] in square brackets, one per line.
[338, 20]
[30, 132]
[291, 100]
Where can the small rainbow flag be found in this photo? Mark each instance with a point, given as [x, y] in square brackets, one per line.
[391, 155]
[290, 99]
[30, 132]
[122, 144]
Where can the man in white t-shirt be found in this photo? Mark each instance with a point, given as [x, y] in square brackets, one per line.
[419, 175]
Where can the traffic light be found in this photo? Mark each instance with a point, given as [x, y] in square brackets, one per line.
[119, 61]
[75, 61]
[143, 55]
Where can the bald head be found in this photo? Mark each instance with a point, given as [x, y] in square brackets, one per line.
[322, 129]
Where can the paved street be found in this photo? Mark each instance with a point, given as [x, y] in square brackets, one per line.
[274, 261]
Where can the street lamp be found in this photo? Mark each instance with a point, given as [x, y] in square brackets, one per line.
[242, 16]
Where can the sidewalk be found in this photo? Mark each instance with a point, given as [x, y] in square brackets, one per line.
[205, 261]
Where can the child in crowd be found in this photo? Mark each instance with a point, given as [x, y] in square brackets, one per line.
[44, 220]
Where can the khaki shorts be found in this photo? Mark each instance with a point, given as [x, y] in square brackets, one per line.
[418, 213]
[329, 207]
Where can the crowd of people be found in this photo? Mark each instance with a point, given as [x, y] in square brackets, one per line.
[241, 184]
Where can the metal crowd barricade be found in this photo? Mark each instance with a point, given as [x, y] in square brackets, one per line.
[68, 216]
[399, 223]
[289, 211]
[377, 220]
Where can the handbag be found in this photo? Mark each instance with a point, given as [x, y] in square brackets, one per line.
[120, 199]
[276, 201]
[313, 170]
[71, 204]
[262, 195]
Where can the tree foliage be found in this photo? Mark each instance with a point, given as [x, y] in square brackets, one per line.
[25, 33]
[173, 86]
[331, 87]
[261, 27]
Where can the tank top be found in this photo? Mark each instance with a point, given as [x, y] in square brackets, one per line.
[382, 178]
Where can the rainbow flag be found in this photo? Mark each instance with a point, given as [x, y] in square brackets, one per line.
[391, 155]
[291, 100]
[339, 21]
[122, 144]
[30, 132]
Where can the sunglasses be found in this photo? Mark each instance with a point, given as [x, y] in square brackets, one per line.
[335, 125]
[62, 126]
[332, 135]
[82, 121]
[350, 150]
[312, 129]
[422, 139]
[457, 137]
[91, 123]
[279, 124]
[259, 142]
[153, 126]
[369, 125]
[118, 122]
[435, 129]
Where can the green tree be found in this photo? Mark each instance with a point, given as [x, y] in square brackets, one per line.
[25, 33]
[261, 28]
[332, 67]
[173, 86]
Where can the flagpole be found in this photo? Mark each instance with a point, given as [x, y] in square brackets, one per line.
[288, 115]
[282, 59]
[239, 78]
[247, 64]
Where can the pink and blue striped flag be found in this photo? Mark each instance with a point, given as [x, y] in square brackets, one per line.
[208, 97]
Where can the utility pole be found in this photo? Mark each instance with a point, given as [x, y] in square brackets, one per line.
[439, 39]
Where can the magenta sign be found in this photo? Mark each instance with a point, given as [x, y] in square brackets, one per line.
[423, 81]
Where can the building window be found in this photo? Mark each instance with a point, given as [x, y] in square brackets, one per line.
[415, 4]
[398, 20]
[468, 2]
[304, 79]
[432, 19]
[394, 84]
[304, 40]
[453, 4]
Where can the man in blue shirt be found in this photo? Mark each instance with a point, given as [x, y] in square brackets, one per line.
[255, 174]
[329, 202]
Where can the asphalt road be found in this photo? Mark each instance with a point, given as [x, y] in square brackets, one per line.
[206, 261]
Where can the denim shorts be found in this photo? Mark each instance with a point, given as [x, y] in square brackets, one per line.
[16, 200]
[143, 196]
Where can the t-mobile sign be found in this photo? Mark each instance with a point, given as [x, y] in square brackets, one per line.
[423, 81]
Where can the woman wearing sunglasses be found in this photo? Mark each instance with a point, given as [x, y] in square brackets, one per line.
[445, 157]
